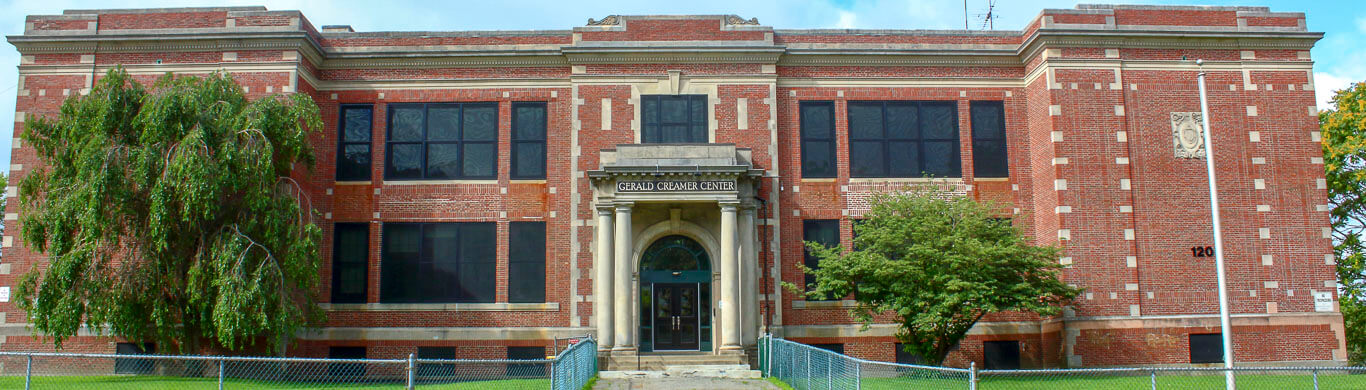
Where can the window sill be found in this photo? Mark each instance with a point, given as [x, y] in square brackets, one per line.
[905, 180]
[841, 304]
[353, 182]
[991, 179]
[504, 306]
[439, 182]
[819, 180]
[527, 181]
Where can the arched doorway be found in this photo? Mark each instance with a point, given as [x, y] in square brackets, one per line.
[675, 296]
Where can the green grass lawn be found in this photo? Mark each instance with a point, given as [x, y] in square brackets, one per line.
[180, 383]
[1100, 381]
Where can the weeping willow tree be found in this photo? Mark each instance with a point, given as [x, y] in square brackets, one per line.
[168, 214]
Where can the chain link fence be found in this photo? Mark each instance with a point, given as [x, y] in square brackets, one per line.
[569, 370]
[806, 367]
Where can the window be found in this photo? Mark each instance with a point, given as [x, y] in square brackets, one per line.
[823, 231]
[526, 262]
[353, 142]
[818, 139]
[903, 139]
[1001, 355]
[350, 262]
[674, 119]
[904, 357]
[428, 370]
[437, 262]
[442, 141]
[836, 348]
[989, 139]
[134, 366]
[346, 369]
[526, 370]
[528, 140]
[1207, 348]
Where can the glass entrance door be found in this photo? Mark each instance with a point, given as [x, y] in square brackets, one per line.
[676, 320]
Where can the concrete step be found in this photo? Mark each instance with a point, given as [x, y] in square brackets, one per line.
[652, 362]
[722, 371]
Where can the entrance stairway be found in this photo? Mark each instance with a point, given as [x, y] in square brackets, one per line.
[678, 365]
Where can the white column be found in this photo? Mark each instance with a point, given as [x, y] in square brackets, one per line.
[730, 280]
[622, 299]
[602, 280]
[749, 279]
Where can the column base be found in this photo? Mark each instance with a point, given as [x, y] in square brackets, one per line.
[623, 351]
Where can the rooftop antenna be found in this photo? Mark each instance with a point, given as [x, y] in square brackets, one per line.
[965, 14]
[988, 18]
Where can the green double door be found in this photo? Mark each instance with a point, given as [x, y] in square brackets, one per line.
[677, 320]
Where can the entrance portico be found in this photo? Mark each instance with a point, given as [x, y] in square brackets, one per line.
[692, 207]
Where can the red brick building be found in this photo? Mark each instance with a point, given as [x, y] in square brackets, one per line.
[670, 167]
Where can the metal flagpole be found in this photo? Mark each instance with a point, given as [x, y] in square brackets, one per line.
[1225, 329]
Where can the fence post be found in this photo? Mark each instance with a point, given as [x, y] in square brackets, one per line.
[220, 374]
[830, 371]
[550, 365]
[858, 375]
[808, 369]
[1152, 375]
[972, 376]
[28, 373]
[411, 370]
[1316, 379]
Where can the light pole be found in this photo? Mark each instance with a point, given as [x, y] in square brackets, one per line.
[1225, 329]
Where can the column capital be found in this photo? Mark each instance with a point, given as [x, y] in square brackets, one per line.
[605, 209]
[729, 205]
[623, 206]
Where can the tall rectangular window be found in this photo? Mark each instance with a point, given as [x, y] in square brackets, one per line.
[823, 231]
[350, 262]
[528, 140]
[903, 139]
[438, 262]
[1207, 348]
[818, 139]
[989, 139]
[353, 142]
[526, 262]
[673, 119]
[442, 141]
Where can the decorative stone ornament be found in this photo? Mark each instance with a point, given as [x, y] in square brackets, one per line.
[610, 20]
[737, 20]
[1188, 134]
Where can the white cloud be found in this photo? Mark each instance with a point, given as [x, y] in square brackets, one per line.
[1326, 85]
[847, 20]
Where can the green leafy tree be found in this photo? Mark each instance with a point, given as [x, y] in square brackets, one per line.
[937, 262]
[169, 215]
[1344, 159]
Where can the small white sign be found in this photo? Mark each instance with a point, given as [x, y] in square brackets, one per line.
[4, 294]
[1323, 301]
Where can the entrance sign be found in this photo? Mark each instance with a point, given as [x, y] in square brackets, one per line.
[676, 186]
[1323, 301]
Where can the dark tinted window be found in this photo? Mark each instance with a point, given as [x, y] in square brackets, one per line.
[353, 142]
[346, 369]
[528, 140]
[1207, 348]
[823, 231]
[527, 370]
[903, 139]
[134, 366]
[435, 371]
[904, 357]
[442, 141]
[350, 262]
[818, 139]
[1001, 355]
[526, 262]
[437, 262]
[836, 348]
[673, 119]
[989, 140]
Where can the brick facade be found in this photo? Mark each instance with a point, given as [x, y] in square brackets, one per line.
[1088, 96]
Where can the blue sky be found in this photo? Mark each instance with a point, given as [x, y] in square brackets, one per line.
[1340, 58]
